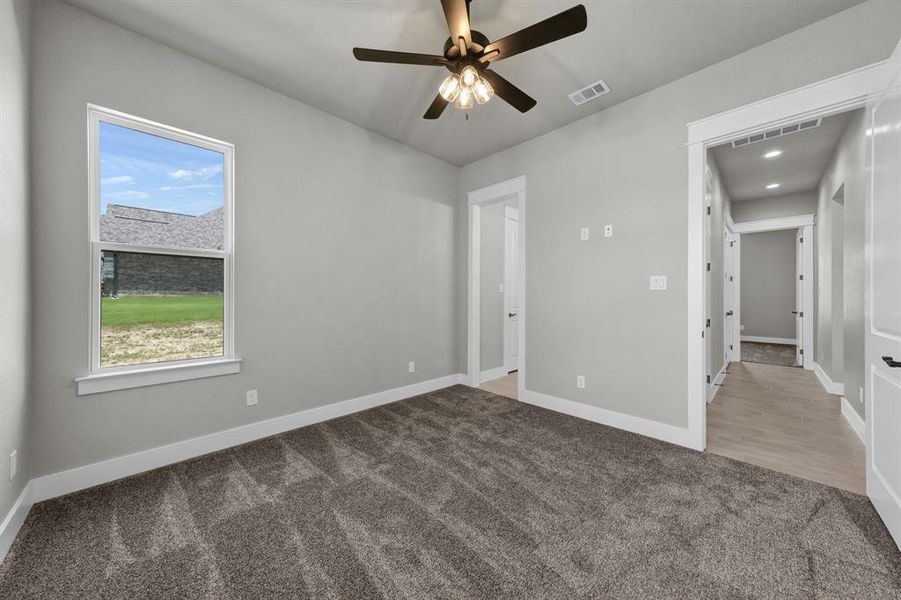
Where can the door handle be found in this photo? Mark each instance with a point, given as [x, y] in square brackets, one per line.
[891, 362]
[794, 312]
[730, 313]
[511, 315]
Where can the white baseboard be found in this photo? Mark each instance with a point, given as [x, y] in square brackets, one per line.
[714, 386]
[492, 374]
[9, 527]
[661, 431]
[854, 420]
[830, 386]
[769, 340]
[66, 482]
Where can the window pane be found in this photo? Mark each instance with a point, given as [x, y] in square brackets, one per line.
[158, 307]
[158, 192]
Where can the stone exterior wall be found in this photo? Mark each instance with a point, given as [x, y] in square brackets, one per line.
[160, 274]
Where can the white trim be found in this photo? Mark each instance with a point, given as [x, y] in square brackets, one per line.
[490, 193]
[807, 319]
[492, 374]
[65, 482]
[14, 520]
[854, 420]
[97, 114]
[830, 96]
[830, 386]
[475, 199]
[714, 386]
[661, 431]
[127, 378]
[776, 224]
[769, 340]
[730, 224]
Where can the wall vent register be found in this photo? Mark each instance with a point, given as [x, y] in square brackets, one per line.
[778, 132]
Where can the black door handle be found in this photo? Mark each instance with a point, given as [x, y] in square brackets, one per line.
[794, 312]
[891, 362]
[730, 313]
[511, 315]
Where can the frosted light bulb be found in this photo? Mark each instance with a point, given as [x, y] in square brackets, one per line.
[464, 100]
[468, 76]
[482, 91]
[450, 87]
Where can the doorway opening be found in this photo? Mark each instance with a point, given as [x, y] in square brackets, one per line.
[496, 339]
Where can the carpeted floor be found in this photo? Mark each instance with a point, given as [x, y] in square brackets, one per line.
[770, 354]
[455, 494]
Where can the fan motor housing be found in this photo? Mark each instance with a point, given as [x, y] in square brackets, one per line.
[479, 41]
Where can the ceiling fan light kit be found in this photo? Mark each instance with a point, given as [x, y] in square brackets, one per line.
[468, 55]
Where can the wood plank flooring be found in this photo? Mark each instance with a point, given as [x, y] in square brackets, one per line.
[781, 418]
[503, 386]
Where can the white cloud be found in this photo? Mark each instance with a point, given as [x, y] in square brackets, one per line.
[201, 174]
[126, 195]
[194, 186]
[117, 179]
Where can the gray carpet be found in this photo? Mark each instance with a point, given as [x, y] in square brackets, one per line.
[455, 494]
[769, 354]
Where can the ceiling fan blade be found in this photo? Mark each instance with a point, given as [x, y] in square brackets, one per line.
[559, 26]
[437, 107]
[401, 58]
[457, 14]
[508, 92]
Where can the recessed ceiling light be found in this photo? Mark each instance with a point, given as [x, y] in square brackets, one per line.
[772, 154]
[772, 186]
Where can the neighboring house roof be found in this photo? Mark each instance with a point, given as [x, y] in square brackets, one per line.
[145, 227]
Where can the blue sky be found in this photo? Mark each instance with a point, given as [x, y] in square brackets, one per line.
[147, 171]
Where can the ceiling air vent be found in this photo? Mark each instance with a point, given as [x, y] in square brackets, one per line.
[592, 92]
[774, 133]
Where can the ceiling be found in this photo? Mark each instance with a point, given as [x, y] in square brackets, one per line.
[800, 168]
[303, 49]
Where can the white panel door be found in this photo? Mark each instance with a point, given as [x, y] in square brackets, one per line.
[511, 290]
[799, 296]
[883, 412]
[729, 341]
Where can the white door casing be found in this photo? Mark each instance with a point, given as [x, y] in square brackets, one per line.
[799, 296]
[512, 289]
[731, 316]
[883, 343]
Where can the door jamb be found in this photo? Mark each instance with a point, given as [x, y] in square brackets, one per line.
[830, 96]
[475, 200]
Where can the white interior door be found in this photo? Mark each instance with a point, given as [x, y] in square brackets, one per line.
[729, 341]
[883, 407]
[511, 289]
[799, 296]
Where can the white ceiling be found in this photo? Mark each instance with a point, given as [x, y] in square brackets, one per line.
[800, 168]
[303, 49]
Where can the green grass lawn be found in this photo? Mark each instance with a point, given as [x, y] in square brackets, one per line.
[130, 311]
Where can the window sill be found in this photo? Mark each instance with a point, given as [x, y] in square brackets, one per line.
[144, 376]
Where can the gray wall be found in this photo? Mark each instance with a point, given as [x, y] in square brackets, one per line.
[15, 29]
[362, 228]
[768, 283]
[719, 204]
[589, 308]
[786, 205]
[492, 322]
[840, 256]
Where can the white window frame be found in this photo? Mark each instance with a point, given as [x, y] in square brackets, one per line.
[103, 379]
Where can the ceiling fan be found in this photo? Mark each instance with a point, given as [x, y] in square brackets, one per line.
[468, 54]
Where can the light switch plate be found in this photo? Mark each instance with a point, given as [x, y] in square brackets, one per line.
[411, 367]
[584, 234]
[580, 382]
[658, 282]
[252, 397]
[608, 230]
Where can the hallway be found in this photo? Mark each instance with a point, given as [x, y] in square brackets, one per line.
[781, 418]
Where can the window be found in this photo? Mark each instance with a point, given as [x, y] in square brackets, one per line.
[161, 244]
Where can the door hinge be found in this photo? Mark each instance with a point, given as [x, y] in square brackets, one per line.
[708, 210]
[702, 335]
[708, 379]
[801, 350]
[802, 240]
[730, 277]
[731, 244]
[730, 346]
[708, 266]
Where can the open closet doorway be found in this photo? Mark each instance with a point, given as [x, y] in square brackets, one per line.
[496, 304]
